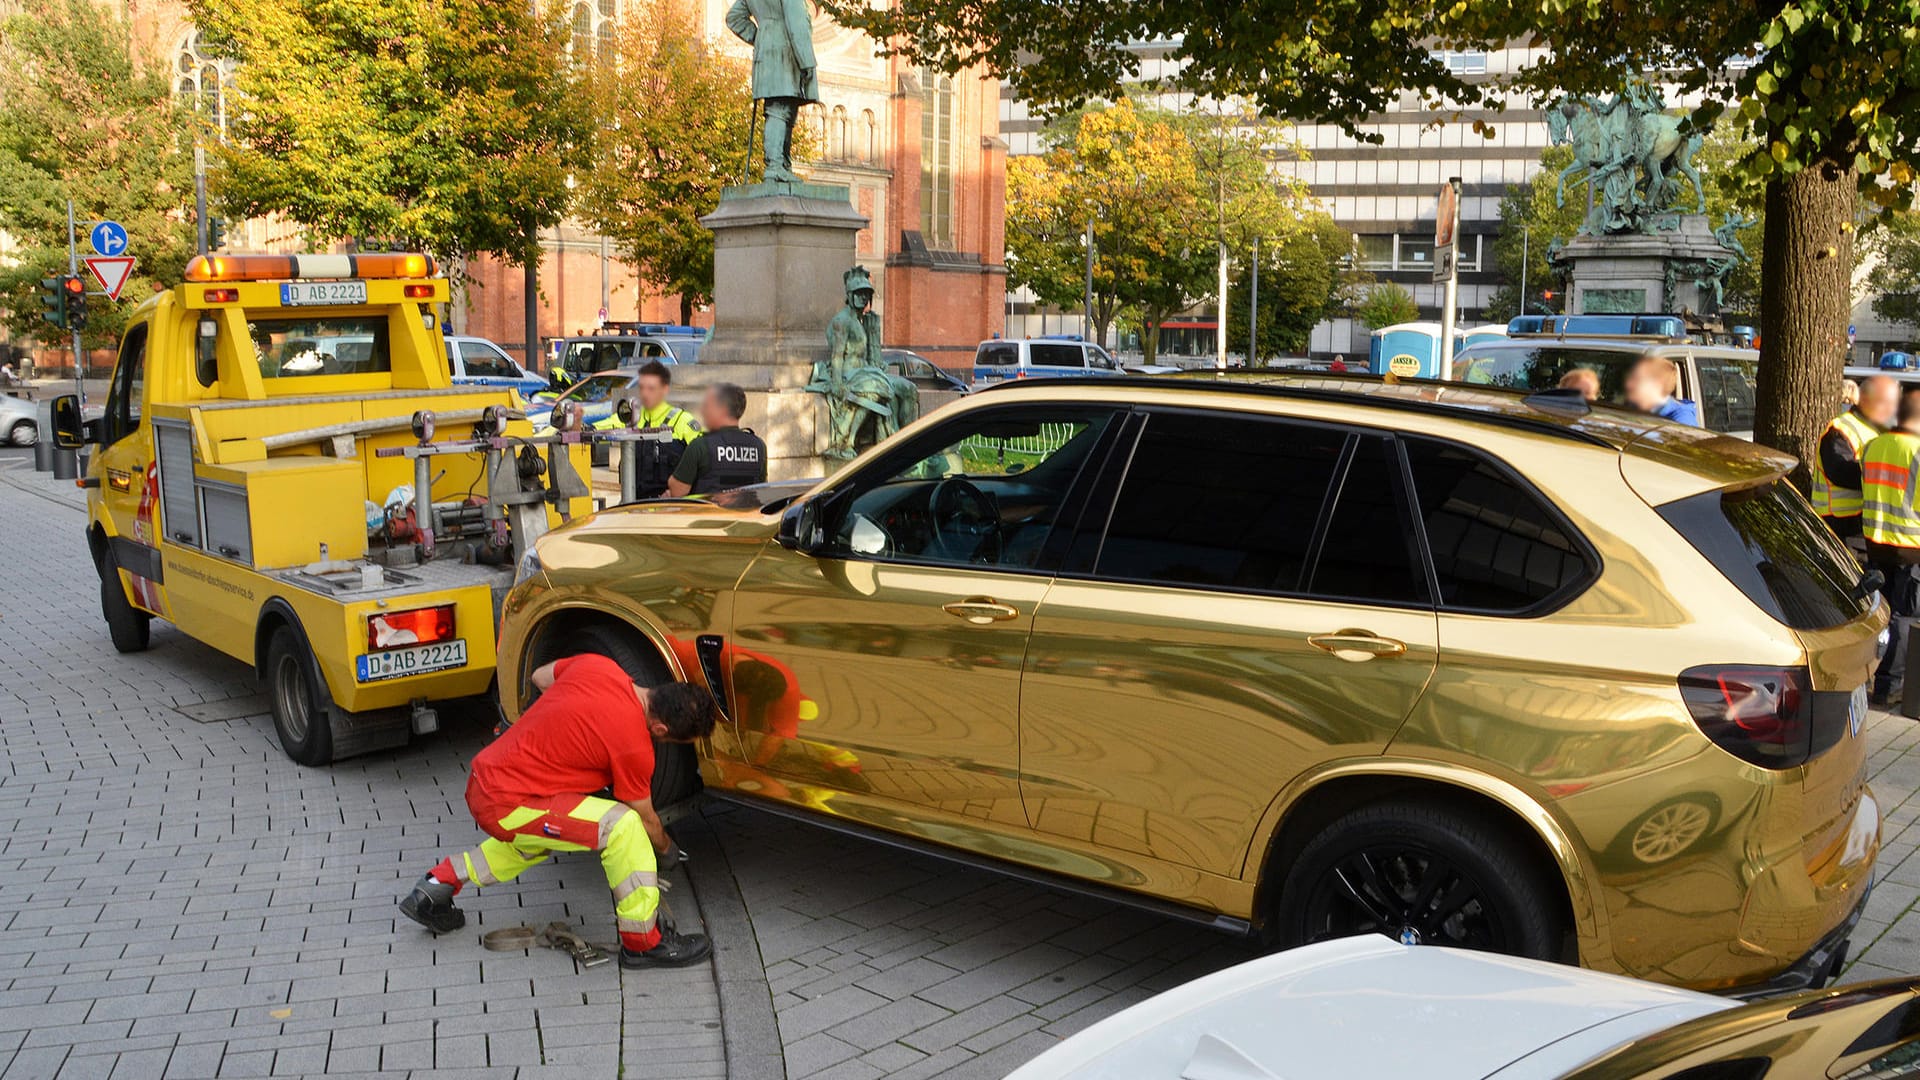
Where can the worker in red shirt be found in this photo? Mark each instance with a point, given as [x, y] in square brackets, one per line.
[591, 728]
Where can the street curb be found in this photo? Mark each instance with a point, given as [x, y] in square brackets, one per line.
[748, 1027]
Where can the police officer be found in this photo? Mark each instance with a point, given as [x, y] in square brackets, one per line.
[728, 455]
[1836, 468]
[659, 458]
[1890, 522]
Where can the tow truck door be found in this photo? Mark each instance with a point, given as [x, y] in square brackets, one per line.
[129, 484]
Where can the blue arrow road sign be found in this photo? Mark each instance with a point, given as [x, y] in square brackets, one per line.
[108, 238]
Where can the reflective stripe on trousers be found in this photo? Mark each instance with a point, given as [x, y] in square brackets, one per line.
[578, 823]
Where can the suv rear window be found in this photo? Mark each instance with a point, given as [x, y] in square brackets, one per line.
[1005, 354]
[1767, 541]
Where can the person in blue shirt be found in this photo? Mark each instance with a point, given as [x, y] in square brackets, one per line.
[1651, 384]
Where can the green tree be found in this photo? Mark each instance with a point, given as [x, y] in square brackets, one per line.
[1896, 272]
[669, 109]
[1530, 223]
[1825, 90]
[449, 125]
[1385, 305]
[1729, 194]
[1306, 277]
[86, 119]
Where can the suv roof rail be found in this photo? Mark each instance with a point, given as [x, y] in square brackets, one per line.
[1282, 389]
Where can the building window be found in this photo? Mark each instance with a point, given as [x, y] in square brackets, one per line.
[837, 134]
[1468, 62]
[594, 23]
[1416, 252]
[869, 137]
[936, 158]
[203, 79]
[1376, 252]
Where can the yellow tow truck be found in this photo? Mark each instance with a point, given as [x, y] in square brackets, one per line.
[258, 479]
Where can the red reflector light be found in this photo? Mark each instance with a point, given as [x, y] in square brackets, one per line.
[419, 292]
[221, 296]
[421, 626]
[1761, 715]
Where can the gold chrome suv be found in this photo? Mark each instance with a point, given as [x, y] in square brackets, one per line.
[1304, 656]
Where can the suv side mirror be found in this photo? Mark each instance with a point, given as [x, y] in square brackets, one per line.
[69, 430]
[803, 525]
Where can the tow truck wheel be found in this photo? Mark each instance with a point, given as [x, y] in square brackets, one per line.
[301, 715]
[128, 625]
[676, 767]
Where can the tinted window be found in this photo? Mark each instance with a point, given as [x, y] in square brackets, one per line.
[1368, 552]
[981, 491]
[1767, 541]
[1495, 546]
[1541, 367]
[1001, 354]
[1219, 500]
[1097, 357]
[1727, 392]
[483, 361]
[1055, 355]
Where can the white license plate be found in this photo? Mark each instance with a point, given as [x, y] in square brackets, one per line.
[297, 293]
[412, 660]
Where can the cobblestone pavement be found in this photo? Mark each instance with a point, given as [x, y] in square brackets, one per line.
[176, 899]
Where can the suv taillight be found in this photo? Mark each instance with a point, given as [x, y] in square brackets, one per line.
[1761, 715]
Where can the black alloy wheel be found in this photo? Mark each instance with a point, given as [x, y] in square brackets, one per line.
[1423, 874]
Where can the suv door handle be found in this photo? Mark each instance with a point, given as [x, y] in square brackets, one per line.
[1357, 645]
[981, 610]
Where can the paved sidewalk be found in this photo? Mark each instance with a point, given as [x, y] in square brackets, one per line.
[177, 899]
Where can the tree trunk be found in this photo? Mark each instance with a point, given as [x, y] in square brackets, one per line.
[1149, 339]
[1807, 290]
[686, 310]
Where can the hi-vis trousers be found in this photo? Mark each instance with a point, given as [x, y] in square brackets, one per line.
[574, 823]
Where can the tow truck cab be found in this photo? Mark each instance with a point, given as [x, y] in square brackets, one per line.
[250, 485]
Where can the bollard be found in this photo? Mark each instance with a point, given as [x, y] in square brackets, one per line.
[66, 465]
[43, 452]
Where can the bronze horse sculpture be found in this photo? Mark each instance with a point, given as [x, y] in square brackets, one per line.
[1615, 142]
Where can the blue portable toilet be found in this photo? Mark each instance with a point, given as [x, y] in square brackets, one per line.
[1410, 350]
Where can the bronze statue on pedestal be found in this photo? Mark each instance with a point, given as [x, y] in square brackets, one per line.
[784, 76]
[865, 403]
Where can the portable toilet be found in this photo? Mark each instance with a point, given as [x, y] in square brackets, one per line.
[1409, 350]
[1473, 335]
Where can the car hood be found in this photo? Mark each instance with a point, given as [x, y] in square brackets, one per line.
[746, 512]
[1368, 1007]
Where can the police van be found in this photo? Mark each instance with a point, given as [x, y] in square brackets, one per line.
[1040, 358]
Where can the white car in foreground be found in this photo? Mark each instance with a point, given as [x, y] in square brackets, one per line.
[1369, 1007]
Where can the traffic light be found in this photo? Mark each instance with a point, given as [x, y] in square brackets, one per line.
[53, 301]
[76, 290]
[216, 233]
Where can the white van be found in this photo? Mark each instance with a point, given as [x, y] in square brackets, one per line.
[1040, 358]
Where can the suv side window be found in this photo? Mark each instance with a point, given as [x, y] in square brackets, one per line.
[1098, 359]
[1219, 500]
[483, 362]
[982, 491]
[1369, 552]
[1727, 392]
[1496, 547]
[1056, 354]
[129, 383]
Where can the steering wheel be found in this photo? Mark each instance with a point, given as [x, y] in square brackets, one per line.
[963, 516]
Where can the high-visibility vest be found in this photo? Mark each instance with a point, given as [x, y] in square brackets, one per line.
[1829, 498]
[1887, 477]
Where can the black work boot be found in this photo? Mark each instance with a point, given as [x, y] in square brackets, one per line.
[431, 905]
[675, 950]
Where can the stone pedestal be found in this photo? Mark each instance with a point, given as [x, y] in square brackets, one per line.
[1670, 269]
[779, 253]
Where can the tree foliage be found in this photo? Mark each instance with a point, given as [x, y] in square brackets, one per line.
[1386, 304]
[671, 113]
[1306, 277]
[86, 119]
[1162, 190]
[444, 124]
[1896, 272]
[1530, 223]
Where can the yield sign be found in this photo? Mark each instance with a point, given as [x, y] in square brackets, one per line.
[112, 272]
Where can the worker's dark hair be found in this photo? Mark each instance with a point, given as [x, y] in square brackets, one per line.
[687, 711]
[731, 398]
[657, 369]
[1910, 406]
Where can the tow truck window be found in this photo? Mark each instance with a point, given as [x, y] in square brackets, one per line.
[129, 381]
[294, 348]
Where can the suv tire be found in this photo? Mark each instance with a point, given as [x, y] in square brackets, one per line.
[129, 627]
[1424, 874]
[676, 767]
[302, 714]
